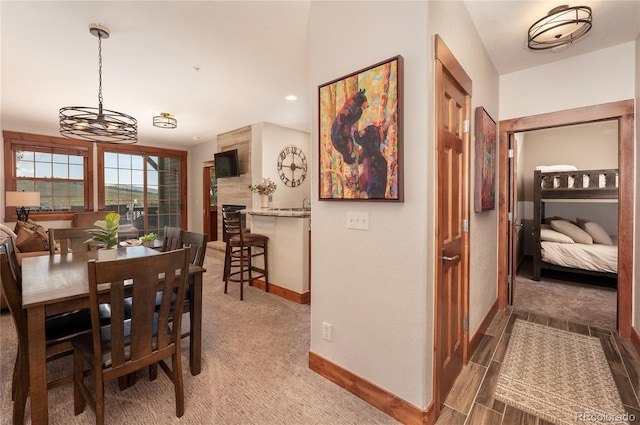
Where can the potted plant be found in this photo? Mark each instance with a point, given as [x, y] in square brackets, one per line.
[265, 189]
[105, 236]
[148, 239]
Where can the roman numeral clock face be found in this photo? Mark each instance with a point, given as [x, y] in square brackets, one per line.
[292, 166]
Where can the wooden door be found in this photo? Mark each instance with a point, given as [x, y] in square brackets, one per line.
[209, 201]
[452, 122]
[513, 226]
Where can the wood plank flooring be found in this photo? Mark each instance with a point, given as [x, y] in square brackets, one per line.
[471, 400]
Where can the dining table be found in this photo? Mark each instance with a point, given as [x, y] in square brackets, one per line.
[59, 283]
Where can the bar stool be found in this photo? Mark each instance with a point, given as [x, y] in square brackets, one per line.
[239, 253]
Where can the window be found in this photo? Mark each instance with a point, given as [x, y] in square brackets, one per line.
[146, 186]
[58, 168]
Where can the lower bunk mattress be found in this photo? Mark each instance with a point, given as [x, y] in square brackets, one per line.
[596, 257]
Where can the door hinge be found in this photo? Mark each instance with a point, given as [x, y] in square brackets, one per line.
[465, 225]
[509, 279]
[465, 126]
[465, 323]
[510, 216]
[510, 153]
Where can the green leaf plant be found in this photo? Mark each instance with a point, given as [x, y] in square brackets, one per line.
[106, 233]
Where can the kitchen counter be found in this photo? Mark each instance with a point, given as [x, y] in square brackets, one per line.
[288, 231]
[279, 212]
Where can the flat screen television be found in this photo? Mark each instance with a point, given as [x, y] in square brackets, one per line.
[227, 164]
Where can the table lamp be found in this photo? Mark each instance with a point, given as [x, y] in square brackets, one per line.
[23, 199]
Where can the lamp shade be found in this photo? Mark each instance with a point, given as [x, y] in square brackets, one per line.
[23, 199]
[563, 25]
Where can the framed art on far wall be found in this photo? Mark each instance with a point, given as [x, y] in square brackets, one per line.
[360, 124]
[485, 165]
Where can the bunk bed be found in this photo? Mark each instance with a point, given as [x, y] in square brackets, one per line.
[575, 254]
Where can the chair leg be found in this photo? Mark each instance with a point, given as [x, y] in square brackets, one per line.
[227, 266]
[153, 372]
[78, 397]
[22, 391]
[241, 274]
[99, 400]
[266, 269]
[16, 375]
[178, 384]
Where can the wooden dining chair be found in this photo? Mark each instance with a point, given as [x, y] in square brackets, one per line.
[125, 346]
[172, 238]
[239, 252]
[59, 330]
[69, 239]
[196, 243]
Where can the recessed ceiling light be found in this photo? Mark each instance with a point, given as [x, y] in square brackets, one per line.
[196, 138]
[291, 97]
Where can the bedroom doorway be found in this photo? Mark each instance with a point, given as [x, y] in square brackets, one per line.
[621, 112]
[572, 275]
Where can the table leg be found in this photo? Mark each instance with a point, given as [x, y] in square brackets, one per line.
[37, 366]
[195, 323]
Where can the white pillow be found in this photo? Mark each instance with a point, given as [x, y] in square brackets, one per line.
[596, 231]
[553, 236]
[574, 232]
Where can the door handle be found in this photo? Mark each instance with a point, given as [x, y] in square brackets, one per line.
[454, 258]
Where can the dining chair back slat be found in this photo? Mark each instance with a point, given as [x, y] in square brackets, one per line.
[69, 239]
[197, 244]
[172, 238]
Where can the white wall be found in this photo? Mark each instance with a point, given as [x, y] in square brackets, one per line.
[464, 42]
[376, 287]
[197, 156]
[274, 138]
[599, 77]
[372, 286]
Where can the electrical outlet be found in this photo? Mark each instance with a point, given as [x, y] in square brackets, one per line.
[357, 220]
[327, 331]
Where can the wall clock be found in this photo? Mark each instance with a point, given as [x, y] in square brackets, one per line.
[292, 166]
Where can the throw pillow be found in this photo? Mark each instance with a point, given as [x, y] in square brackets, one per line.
[596, 231]
[35, 228]
[553, 236]
[28, 241]
[574, 232]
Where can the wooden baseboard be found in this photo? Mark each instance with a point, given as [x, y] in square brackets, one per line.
[477, 337]
[285, 293]
[379, 398]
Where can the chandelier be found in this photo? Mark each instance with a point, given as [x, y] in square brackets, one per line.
[165, 120]
[98, 124]
[563, 25]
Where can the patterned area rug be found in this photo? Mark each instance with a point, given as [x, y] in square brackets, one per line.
[558, 376]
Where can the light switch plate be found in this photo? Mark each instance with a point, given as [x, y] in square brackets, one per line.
[357, 220]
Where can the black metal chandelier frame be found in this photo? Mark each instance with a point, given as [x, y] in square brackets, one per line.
[555, 29]
[98, 124]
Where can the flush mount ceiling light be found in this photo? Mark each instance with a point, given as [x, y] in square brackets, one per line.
[563, 25]
[98, 124]
[165, 120]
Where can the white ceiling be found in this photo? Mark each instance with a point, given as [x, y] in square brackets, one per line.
[216, 65]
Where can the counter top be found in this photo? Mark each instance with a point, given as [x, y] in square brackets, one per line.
[279, 212]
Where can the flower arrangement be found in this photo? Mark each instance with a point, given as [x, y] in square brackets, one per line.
[267, 187]
[106, 234]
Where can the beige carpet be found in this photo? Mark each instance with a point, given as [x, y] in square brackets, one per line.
[561, 377]
[254, 371]
[579, 303]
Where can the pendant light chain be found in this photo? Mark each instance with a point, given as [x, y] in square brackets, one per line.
[100, 72]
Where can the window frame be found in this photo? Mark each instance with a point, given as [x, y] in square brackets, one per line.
[13, 139]
[146, 151]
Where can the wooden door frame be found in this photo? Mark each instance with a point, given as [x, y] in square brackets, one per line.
[447, 63]
[206, 200]
[623, 112]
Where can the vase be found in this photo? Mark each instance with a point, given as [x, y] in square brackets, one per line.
[264, 201]
[107, 254]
